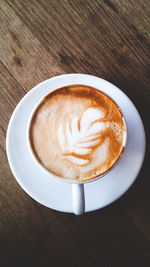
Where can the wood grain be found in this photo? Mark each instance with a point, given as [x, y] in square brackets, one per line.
[41, 39]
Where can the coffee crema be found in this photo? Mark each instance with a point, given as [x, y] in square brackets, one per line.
[77, 132]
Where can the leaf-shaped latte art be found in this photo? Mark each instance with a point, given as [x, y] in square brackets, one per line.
[80, 136]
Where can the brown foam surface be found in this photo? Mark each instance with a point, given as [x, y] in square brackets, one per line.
[77, 133]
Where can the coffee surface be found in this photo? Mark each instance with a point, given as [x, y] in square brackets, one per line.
[77, 132]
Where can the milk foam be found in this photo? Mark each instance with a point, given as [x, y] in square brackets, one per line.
[80, 136]
[77, 133]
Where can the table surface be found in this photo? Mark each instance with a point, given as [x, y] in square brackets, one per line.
[42, 39]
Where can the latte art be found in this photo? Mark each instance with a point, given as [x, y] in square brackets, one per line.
[77, 133]
[80, 136]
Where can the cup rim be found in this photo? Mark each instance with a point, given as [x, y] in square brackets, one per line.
[73, 181]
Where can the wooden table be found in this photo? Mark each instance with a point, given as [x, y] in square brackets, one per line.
[41, 39]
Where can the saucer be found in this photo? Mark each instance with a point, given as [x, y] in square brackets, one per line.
[57, 194]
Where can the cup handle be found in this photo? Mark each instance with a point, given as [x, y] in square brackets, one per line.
[78, 198]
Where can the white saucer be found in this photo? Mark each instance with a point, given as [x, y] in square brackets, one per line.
[57, 194]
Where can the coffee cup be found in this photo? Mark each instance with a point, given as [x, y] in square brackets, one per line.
[77, 134]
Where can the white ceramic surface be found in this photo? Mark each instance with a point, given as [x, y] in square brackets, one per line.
[58, 194]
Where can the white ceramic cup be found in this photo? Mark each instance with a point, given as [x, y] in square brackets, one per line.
[78, 198]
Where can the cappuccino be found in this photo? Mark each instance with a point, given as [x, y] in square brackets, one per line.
[77, 132]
